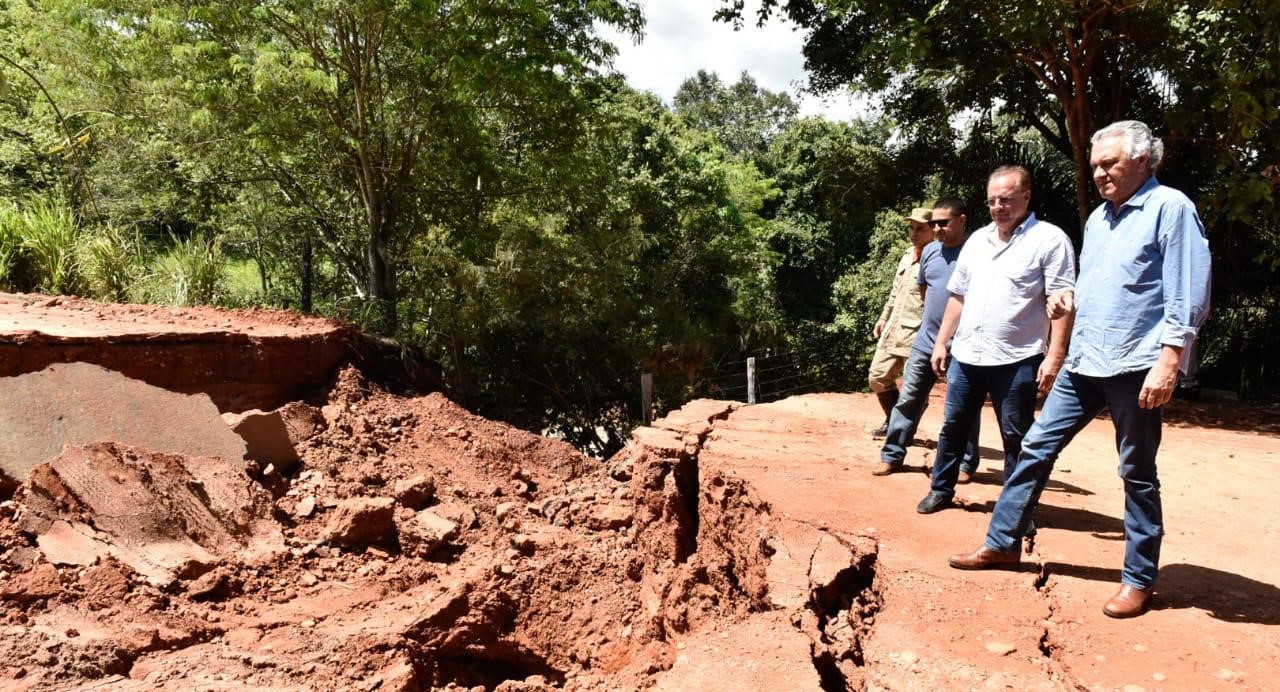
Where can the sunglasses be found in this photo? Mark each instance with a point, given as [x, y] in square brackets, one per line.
[939, 223]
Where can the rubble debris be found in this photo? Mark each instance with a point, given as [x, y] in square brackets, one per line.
[361, 521]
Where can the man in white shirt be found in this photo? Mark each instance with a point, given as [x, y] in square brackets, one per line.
[1002, 281]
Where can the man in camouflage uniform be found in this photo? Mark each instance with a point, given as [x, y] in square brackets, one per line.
[900, 319]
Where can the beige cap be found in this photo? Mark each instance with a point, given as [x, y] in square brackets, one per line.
[921, 214]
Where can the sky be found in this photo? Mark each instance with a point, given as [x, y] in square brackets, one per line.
[680, 38]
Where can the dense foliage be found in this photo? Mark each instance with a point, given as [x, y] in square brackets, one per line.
[471, 178]
[1040, 77]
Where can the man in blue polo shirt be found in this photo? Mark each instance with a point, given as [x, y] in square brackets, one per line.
[1142, 295]
[950, 220]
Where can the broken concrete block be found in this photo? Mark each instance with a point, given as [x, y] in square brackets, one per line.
[71, 404]
[360, 521]
[265, 436]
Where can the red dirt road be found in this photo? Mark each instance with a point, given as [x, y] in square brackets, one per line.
[1214, 623]
[412, 545]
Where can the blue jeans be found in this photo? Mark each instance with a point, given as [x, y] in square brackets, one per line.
[1073, 402]
[918, 379]
[1013, 396]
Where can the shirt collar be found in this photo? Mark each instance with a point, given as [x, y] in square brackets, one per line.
[993, 233]
[1137, 199]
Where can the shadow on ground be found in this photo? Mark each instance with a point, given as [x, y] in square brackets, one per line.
[1223, 595]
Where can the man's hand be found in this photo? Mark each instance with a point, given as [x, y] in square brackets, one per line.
[879, 328]
[1060, 304]
[939, 359]
[1047, 374]
[1158, 386]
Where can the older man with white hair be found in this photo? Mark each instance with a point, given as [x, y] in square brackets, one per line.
[1142, 294]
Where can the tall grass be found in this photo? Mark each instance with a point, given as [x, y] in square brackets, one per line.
[48, 243]
[111, 264]
[10, 242]
[190, 273]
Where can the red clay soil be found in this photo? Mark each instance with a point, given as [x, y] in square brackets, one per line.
[414, 545]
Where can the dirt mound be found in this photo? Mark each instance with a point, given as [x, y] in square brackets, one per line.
[164, 516]
[414, 546]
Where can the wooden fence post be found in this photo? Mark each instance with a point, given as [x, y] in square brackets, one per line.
[646, 397]
[751, 380]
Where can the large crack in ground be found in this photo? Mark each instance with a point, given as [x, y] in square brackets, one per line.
[846, 608]
[833, 603]
[1048, 645]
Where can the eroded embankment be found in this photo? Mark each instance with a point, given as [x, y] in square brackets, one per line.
[241, 359]
[412, 545]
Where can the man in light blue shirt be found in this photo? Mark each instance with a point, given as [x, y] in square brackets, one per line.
[1142, 295]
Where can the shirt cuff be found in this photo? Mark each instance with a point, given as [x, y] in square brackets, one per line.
[1177, 335]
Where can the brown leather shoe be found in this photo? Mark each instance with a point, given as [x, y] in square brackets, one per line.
[884, 469]
[1129, 602]
[965, 477]
[986, 558]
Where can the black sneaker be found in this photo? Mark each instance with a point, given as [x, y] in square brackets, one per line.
[880, 432]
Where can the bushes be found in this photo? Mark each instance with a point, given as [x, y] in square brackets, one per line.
[111, 264]
[38, 246]
[44, 248]
[190, 273]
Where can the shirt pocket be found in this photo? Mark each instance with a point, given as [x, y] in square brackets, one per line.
[1024, 276]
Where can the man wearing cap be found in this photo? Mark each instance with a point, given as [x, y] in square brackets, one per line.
[1142, 296]
[950, 221]
[900, 319]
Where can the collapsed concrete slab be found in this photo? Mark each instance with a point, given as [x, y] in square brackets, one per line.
[79, 403]
[166, 516]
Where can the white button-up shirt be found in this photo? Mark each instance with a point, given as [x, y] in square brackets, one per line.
[1004, 287]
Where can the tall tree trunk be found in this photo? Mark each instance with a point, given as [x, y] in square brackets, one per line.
[381, 275]
[1080, 130]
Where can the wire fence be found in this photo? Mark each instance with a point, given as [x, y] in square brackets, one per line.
[769, 376]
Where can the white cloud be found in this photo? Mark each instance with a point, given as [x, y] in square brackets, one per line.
[681, 37]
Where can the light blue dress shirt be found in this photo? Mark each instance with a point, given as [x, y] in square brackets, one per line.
[1144, 283]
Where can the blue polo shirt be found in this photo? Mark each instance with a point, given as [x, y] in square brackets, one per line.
[1144, 283]
[936, 264]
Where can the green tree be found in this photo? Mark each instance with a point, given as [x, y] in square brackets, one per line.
[834, 179]
[378, 116]
[1060, 68]
[647, 255]
[743, 116]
